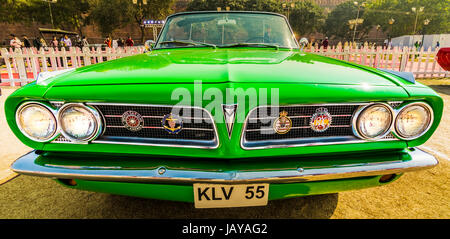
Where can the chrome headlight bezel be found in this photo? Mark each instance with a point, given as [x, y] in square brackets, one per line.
[95, 116]
[356, 121]
[23, 106]
[427, 107]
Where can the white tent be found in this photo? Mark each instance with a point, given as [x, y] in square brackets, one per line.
[428, 40]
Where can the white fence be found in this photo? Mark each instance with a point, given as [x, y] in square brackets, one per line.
[422, 63]
[23, 65]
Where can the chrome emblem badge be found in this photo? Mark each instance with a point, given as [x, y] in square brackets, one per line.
[172, 123]
[132, 121]
[282, 124]
[321, 120]
[229, 112]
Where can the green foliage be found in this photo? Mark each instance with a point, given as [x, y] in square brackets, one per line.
[235, 5]
[337, 23]
[67, 14]
[306, 17]
[108, 16]
[212, 5]
[436, 11]
[378, 12]
[9, 10]
[154, 9]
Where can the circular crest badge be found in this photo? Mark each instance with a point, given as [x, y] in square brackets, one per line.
[172, 123]
[282, 124]
[132, 121]
[321, 120]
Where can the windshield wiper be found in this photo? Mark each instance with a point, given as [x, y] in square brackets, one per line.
[194, 43]
[250, 44]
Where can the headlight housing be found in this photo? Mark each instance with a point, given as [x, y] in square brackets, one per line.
[36, 121]
[413, 120]
[79, 123]
[373, 121]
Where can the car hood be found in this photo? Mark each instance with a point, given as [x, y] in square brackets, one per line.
[224, 65]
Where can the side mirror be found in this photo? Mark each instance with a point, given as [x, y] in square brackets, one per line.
[149, 44]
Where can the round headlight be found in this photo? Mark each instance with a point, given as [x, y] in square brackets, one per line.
[78, 122]
[413, 120]
[36, 121]
[373, 121]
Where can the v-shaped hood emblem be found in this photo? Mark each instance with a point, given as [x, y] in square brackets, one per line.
[229, 113]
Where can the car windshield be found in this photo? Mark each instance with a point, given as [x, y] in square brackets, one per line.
[226, 29]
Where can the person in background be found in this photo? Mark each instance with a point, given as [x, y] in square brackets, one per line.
[120, 42]
[26, 42]
[115, 43]
[43, 43]
[78, 41]
[84, 42]
[129, 41]
[67, 41]
[438, 44]
[325, 43]
[416, 45]
[15, 42]
[55, 42]
[61, 42]
[37, 43]
[108, 42]
[303, 43]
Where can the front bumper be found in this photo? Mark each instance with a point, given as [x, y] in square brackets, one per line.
[188, 170]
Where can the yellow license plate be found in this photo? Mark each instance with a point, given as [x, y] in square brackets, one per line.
[224, 195]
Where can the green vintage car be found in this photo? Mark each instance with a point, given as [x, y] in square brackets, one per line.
[225, 110]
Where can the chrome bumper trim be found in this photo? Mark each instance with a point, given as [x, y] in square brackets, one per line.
[418, 160]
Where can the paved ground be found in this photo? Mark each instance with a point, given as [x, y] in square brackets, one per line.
[423, 194]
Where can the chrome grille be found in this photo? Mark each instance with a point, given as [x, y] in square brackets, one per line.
[198, 128]
[259, 133]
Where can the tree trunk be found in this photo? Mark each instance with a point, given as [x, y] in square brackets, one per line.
[142, 34]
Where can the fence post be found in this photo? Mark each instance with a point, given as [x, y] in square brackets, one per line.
[346, 52]
[20, 65]
[5, 55]
[404, 59]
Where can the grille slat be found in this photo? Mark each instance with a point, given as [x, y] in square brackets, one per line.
[259, 129]
[198, 128]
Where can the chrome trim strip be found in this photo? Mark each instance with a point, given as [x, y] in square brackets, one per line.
[52, 111]
[298, 127]
[157, 117]
[181, 145]
[297, 116]
[154, 127]
[215, 141]
[418, 160]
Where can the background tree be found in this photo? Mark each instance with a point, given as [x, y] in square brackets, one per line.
[436, 11]
[306, 17]
[109, 15]
[235, 5]
[154, 9]
[337, 22]
[67, 14]
[263, 5]
[212, 5]
[10, 10]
